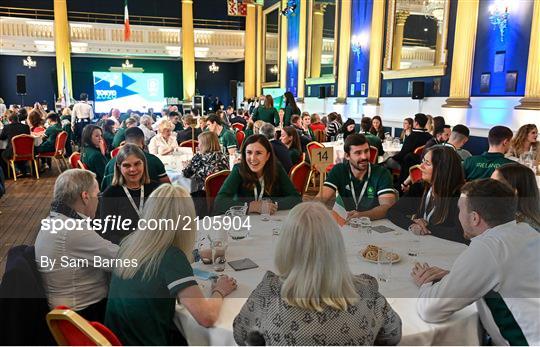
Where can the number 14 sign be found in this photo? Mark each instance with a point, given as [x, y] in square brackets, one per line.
[321, 159]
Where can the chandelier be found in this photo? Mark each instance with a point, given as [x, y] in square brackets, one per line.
[213, 68]
[498, 16]
[127, 65]
[28, 62]
[274, 70]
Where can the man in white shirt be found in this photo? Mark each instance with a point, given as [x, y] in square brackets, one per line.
[81, 115]
[72, 260]
[499, 270]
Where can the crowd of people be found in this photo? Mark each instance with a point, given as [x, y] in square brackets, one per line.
[489, 202]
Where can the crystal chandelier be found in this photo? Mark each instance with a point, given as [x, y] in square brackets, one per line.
[498, 16]
[213, 68]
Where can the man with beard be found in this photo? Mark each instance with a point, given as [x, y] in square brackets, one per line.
[366, 189]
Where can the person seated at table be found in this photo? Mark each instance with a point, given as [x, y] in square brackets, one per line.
[304, 133]
[348, 128]
[289, 137]
[407, 129]
[120, 135]
[146, 127]
[313, 280]
[438, 122]
[174, 118]
[258, 176]
[281, 152]
[239, 118]
[125, 197]
[8, 132]
[306, 126]
[332, 130]
[498, 270]
[441, 134]
[266, 112]
[482, 166]
[163, 143]
[458, 138]
[190, 131]
[108, 133]
[523, 180]
[366, 189]
[91, 154]
[55, 128]
[208, 160]
[253, 128]
[377, 127]
[525, 140]
[35, 122]
[316, 123]
[430, 206]
[227, 140]
[142, 298]
[83, 287]
[375, 141]
[156, 169]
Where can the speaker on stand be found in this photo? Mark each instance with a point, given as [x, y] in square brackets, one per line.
[418, 88]
[21, 87]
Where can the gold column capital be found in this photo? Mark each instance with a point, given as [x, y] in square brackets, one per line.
[401, 17]
[463, 55]
[531, 101]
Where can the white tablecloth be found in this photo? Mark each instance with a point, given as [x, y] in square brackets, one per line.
[38, 140]
[461, 328]
[339, 152]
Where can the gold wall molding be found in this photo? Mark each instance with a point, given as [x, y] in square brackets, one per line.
[531, 101]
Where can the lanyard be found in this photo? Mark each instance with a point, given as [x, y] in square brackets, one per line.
[357, 202]
[258, 196]
[427, 215]
[141, 200]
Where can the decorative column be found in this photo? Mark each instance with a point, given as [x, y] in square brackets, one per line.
[344, 52]
[531, 101]
[317, 39]
[283, 47]
[376, 52]
[259, 67]
[188, 50]
[62, 46]
[438, 44]
[249, 51]
[463, 56]
[401, 18]
[302, 43]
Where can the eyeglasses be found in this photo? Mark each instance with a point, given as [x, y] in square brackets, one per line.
[427, 162]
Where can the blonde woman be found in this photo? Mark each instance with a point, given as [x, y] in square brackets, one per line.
[158, 273]
[525, 140]
[314, 280]
[429, 125]
[254, 128]
[163, 143]
[209, 160]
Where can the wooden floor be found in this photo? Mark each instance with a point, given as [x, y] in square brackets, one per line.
[23, 206]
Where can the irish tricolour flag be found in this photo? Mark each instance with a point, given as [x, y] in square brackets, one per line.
[127, 29]
[339, 212]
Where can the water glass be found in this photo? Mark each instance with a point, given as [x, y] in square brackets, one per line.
[219, 247]
[365, 225]
[354, 223]
[384, 265]
[414, 247]
[265, 209]
[396, 143]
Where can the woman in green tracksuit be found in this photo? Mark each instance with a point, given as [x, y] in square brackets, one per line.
[267, 113]
[90, 150]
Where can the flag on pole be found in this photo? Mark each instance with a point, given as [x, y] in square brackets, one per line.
[339, 212]
[127, 29]
[66, 99]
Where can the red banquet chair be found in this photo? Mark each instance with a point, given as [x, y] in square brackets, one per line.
[310, 147]
[59, 151]
[212, 185]
[193, 144]
[238, 126]
[70, 329]
[23, 150]
[415, 173]
[373, 154]
[240, 136]
[115, 151]
[299, 176]
[74, 160]
[82, 165]
[419, 150]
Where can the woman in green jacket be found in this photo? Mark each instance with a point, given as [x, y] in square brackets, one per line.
[257, 176]
[51, 133]
[267, 113]
[291, 139]
[290, 108]
[90, 151]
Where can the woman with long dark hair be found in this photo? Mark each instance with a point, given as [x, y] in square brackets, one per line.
[522, 179]
[348, 128]
[257, 176]
[108, 133]
[290, 108]
[377, 127]
[91, 154]
[430, 206]
[291, 139]
[267, 112]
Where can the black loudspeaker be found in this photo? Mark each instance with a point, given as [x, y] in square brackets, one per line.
[418, 90]
[322, 92]
[21, 84]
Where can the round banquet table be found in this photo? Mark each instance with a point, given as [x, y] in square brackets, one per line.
[401, 292]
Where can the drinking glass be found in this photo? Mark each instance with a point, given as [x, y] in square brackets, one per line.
[265, 209]
[384, 265]
[238, 211]
[219, 247]
[365, 225]
[396, 143]
[414, 247]
[354, 223]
